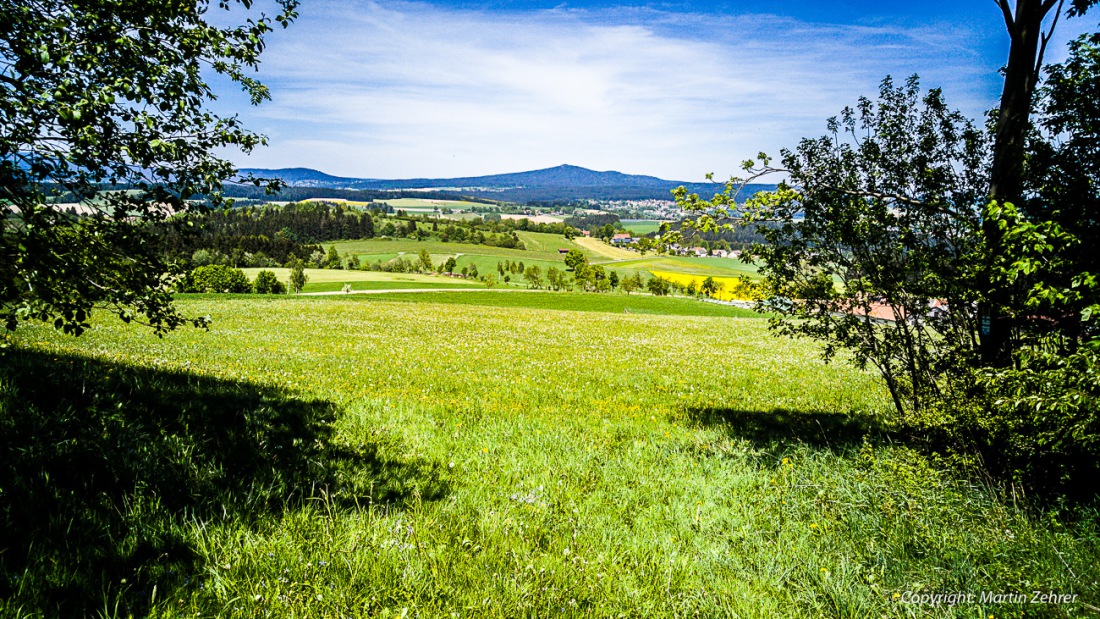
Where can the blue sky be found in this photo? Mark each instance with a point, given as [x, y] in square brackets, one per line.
[388, 89]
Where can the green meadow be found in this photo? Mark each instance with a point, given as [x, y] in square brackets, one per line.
[541, 246]
[575, 302]
[427, 205]
[445, 455]
[642, 226]
[328, 280]
[542, 250]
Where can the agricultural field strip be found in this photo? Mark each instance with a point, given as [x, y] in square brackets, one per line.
[317, 276]
[480, 288]
[603, 249]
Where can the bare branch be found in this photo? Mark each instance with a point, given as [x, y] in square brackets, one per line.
[1010, 22]
[1045, 38]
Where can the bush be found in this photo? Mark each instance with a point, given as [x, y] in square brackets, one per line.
[216, 278]
[267, 283]
[1037, 426]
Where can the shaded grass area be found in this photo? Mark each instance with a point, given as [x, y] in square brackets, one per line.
[107, 467]
[780, 428]
[575, 301]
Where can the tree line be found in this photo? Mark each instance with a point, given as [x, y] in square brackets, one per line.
[260, 236]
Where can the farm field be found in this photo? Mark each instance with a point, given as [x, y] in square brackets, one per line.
[542, 250]
[321, 280]
[545, 249]
[439, 284]
[731, 288]
[548, 243]
[537, 218]
[642, 226]
[604, 250]
[421, 204]
[716, 267]
[334, 457]
[578, 302]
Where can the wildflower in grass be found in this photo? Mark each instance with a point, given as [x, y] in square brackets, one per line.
[813, 525]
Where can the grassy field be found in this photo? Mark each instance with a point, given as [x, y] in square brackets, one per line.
[359, 457]
[545, 247]
[438, 284]
[715, 267]
[546, 243]
[542, 249]
[579, 302]
[642, 226]
[604, 250]
[321, 280]
[419, 204]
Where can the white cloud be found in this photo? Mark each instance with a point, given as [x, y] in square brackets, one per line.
[400, 90]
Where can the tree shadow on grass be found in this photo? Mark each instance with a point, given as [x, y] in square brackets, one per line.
[105, 466]
[780, 427]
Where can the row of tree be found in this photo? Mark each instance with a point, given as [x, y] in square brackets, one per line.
[219, 278]
[259, 236]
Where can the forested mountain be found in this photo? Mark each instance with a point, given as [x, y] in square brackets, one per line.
[562, 184]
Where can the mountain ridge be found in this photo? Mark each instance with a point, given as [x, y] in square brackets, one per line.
[563, 182]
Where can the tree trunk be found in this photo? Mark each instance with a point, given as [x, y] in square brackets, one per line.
[1025, 57]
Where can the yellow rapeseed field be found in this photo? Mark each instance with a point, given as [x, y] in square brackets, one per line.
[732, 288]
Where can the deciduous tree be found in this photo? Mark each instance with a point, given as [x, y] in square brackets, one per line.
[98, 94]
[575, 258]
[298, 277]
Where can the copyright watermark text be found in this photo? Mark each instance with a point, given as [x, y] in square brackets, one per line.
[986, 597]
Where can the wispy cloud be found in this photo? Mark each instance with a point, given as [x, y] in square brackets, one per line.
[394, 90]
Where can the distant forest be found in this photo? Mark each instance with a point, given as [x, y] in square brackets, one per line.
[296, 194]
[264, 236]
[592, 220]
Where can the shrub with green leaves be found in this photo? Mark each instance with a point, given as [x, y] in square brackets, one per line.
[267, 283]
[216, 278]
[1036, 425]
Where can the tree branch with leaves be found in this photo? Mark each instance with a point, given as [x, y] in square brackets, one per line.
[108, 101]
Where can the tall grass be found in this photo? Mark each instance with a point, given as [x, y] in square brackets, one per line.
[480, 461]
